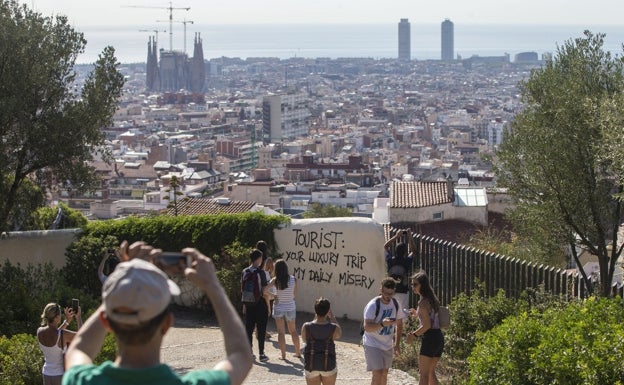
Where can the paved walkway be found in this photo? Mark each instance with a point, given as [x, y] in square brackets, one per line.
[198, 344]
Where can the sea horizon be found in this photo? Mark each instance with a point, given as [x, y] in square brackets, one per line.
[315, 40]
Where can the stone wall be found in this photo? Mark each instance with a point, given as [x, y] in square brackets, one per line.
[36, 247]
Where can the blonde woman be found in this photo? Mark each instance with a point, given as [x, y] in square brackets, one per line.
[53, 338]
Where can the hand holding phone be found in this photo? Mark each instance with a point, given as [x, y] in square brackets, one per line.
[173, 262]
[74, 305]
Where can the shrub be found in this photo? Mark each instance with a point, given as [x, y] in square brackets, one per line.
[82, 260]
[108, 351]
[21, 360]
[581, 344]
[476, 313]
[59, 217]
[26, 291]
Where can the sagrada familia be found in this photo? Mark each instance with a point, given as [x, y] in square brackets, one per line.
[175, 70]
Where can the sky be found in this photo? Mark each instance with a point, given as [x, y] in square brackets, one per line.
[110, 13]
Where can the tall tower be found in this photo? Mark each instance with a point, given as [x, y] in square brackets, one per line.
[404, 40]
[197, 77]
[152, 79]
[447, 40]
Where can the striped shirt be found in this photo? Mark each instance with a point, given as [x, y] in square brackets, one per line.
[286, 298]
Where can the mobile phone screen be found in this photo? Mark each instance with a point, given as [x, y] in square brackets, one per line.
[173, 262]
[75, 304]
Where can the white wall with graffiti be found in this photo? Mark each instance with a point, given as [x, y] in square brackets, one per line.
[341, 259]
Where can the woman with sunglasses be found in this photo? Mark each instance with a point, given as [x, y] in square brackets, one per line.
[432, 343]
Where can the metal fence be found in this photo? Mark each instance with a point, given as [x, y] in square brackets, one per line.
[455, 269]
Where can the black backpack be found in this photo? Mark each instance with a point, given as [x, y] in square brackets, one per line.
[325, 361]
[377, 304]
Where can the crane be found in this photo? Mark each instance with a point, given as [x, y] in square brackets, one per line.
[153, 30]
[170, 8]
[185, 22]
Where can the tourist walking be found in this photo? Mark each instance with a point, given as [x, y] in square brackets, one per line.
[432, 339]
[285, 309]
[255, 309]
[383, 326]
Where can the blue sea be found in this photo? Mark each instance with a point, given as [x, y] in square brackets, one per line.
[341, 40]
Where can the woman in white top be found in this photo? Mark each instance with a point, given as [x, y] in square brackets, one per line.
[284, 309]
[53, 338]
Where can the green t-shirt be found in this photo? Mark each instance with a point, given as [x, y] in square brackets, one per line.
[108, 373]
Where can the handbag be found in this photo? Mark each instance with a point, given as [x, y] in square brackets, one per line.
[444, 317]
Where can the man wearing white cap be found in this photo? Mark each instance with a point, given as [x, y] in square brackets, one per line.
[135, 307]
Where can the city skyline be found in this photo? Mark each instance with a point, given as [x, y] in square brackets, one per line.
[84, 14]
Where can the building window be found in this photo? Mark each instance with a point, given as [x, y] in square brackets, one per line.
[438, 216]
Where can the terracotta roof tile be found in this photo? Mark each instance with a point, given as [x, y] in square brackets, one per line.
[211, 206]
[418, 194]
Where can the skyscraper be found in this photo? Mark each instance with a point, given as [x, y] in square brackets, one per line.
[447, 40]
[404, 40]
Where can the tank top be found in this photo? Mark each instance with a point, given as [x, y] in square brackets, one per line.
[286, 298]
[53, 356]
[433, 318]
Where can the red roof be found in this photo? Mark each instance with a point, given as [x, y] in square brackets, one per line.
[418, 194]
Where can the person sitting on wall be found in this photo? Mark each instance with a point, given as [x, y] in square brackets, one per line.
[400, 263]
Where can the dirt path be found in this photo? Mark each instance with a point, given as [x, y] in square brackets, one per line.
[197, 343]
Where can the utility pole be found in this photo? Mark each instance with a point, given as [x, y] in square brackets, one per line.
[185, 22]
[170, 8]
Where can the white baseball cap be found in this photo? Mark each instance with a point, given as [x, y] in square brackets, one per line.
[140, 288]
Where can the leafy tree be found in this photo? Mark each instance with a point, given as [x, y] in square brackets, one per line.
[553, 159]
[58, 217]
[28, 199]
[318, 210]
[49, 126]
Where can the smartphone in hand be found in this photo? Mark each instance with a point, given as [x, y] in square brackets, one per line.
[173, 262]
[74, 305]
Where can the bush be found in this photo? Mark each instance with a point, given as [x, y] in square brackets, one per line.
[21, 360]
[473, 314]
[108, 351]
[581, 344]
[59, 217]
[82, 260]
[26, 291]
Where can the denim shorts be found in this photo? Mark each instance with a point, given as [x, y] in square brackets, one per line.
[290, 315]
